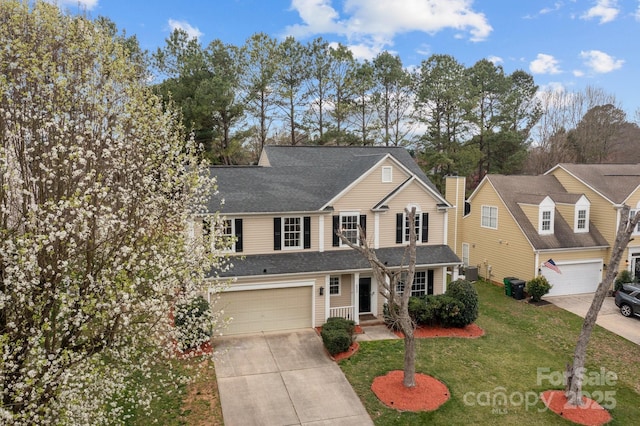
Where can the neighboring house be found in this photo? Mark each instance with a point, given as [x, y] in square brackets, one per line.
[512, 225]
[291, 270]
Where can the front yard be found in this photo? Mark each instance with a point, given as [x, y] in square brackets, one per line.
[496, 379]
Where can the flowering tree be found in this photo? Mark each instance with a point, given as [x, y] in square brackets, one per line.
[97, 187]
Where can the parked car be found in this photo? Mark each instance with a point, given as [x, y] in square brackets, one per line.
[628, 300]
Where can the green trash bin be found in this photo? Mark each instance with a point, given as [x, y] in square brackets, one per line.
[507, 285]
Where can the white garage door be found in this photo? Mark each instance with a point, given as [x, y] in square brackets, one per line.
[576, 278]
[267, 310]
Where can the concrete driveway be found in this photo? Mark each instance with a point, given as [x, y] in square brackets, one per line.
[609, 316]
[283, 379]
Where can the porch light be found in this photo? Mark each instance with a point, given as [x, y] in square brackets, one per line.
[321, 291]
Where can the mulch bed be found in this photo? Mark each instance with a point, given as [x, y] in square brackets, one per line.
[428, 394]
[590, 414]
[422, 332]
[344, 355]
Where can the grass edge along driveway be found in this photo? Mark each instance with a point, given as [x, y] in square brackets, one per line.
[497, 378]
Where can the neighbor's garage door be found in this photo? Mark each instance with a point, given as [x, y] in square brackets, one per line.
[267, 310]
[576, 278]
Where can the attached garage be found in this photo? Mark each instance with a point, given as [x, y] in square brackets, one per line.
[576, 277]
[271, 309]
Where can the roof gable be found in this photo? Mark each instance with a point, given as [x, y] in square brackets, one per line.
[614, 182]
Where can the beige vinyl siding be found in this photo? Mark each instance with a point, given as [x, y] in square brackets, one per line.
[532, 212]
[505, 249]
[362, 197]
[414, 194]
[568, 212]
[455, 194]
[344, 299]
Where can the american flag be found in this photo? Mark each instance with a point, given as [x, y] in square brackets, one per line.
[552, 265]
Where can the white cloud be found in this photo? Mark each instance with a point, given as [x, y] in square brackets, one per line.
[81, 4]
[578, 73]
[600, 62]
[191, 31]
[544, 64]
[637, 14]
[495, 59]
[605, 10]
[378, 22]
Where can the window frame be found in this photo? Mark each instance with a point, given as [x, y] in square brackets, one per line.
[387, 174]
[400, 285]
[332, 285]
[227, 248]
[343, 216]
[284, 232]
[584, 220]
[490, 218]
[405, 227]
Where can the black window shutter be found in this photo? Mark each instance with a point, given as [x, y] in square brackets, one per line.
[238, 231]
[430, 281]
[399, 226]
[307, 231]
[425, 227]
[277, 233]
[363, 224]
[336, 227]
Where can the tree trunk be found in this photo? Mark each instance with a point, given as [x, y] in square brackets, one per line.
[575, 371]
[409, 379]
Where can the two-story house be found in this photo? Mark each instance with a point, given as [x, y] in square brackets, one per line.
[511, 226]
[290, 268]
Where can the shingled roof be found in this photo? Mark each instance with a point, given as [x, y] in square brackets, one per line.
[613, 181]
[335, 260]
[514, 190]
[301, 178]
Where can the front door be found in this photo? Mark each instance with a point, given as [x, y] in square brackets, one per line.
[364, 296]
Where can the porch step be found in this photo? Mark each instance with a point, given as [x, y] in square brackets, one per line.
[370, 320]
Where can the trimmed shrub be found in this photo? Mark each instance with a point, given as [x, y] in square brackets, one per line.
[624, 277]
[466, 293]
[336, 340]
[339, 323]
[418, 310]
[448, 311]
[538, 287]
[192, 321]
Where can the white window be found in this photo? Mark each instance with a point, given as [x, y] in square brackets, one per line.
[632, 213]
[292, 232]
[349, 227]
[419, 284]
[419, 287]
[489, 217]
[387, 174]
[546, 221]
[334, 285]
[227, 234]
[417, 224]
[581, 220]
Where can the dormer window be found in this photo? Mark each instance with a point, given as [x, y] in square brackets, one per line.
[581, 215]
[546, 216]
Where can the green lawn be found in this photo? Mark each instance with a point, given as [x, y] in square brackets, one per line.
[519, 339]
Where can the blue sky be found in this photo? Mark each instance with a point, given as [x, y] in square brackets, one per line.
[565, 44]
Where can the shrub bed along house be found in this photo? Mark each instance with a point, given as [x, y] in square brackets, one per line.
[338, 334]
[458, 307]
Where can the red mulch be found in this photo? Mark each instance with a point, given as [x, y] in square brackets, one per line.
[590, 414]
[344, 355]
[428, 394]
[204, 349]
[470, 331]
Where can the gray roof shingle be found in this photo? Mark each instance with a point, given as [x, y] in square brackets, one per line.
[300, 178]
[334, 260]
